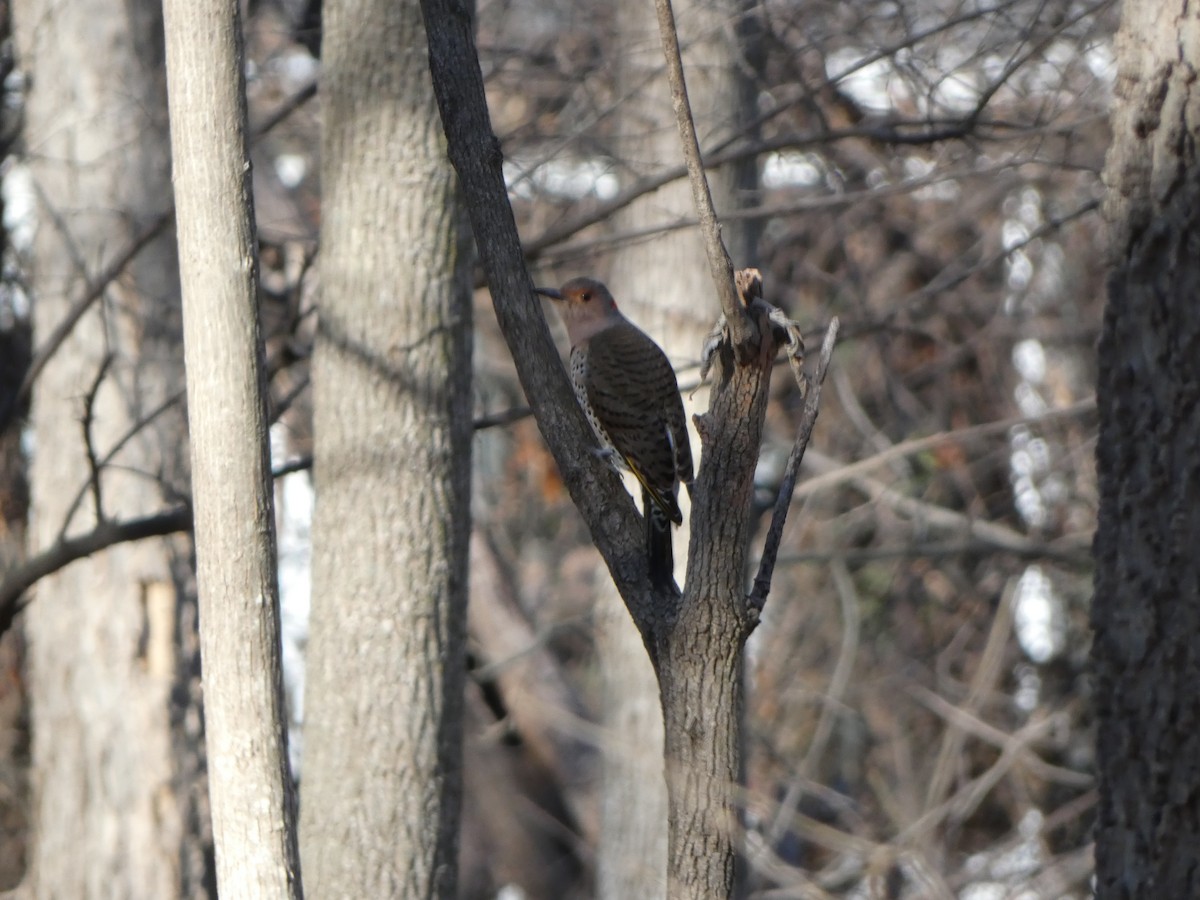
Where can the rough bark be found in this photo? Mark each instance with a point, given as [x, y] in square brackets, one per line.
[701, 673]
[253, 808]
[659, 282]
[1146, 612]
[391, 374]
[118, 765]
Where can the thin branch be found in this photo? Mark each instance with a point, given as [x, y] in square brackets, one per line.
[983, 683]
[918, 133]
[1071, 551]
[741, 329]
[930, 514]
[299, 464]
[504, 417]
[283, 110]
[967, 720]
[65, 551]
[805, 204]
[89, 407]
[130, 433]
[967, 799]
[848, 471]
[812, 402]
[93, 293]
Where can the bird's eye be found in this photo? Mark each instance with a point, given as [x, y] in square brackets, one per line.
[585, 296]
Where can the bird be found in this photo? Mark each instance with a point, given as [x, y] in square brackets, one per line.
[628, 391]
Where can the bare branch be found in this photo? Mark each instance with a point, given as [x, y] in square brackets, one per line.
[89, 406]
[285, 109]
[94, 291]
[917, 132]
[65, 551]
[812, 401]
[931, 515]
[933, 441]
[741, 329]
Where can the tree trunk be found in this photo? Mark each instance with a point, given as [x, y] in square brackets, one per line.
[701, 671]
[1146, 612]
[118, 766]
[253, 809]
[391, 374]
[660, 282]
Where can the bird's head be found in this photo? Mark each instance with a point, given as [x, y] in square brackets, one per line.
[586, 307]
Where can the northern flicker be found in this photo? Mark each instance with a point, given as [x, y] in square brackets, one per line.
[628, 390]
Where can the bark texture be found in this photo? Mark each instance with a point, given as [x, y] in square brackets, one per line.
[253, 808]
[113, 661]
[701, 671]
[1146, 613]
[382, 779]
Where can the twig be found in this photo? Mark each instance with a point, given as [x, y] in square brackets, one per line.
[987, 673]
[130, 433]
[741, 329]
[285, 109]
[504, 417]
[964, 801]
[94, 465]
[969, 722]
[914, 446]
[67, 550]
[299, 464]
[812, 402]
[1073, 550]
[95, 289]
[931, 515]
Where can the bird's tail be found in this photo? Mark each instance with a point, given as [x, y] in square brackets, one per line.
[658, 543]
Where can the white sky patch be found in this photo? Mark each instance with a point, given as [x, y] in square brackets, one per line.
[291, 168]
[792, 169]
[944, 190]
[1101, 62]
[298, 67]
[1029, 466]
[20, 206]
[1037, 616]
[1013, 233]
[1029, 357]
[958, 92]
[564, 177]
[1029, 401]
[1029, 688]
[293, 521]
[1020, 270]
[1007, 869]
[873, 85]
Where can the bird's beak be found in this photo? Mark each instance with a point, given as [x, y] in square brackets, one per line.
[549, 292]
